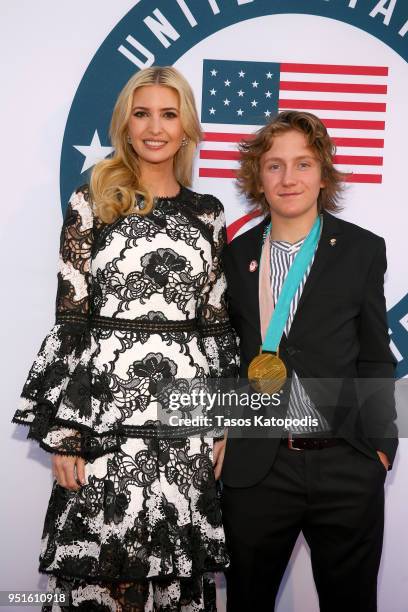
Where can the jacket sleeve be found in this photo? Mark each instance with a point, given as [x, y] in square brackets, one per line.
[56, 396]
[376, 364]
[218, 337]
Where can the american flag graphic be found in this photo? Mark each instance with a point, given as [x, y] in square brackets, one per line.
[239, 97]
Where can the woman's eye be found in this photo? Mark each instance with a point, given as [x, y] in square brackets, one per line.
[170, 115]
[304, 165]
[139, 114]
[274, 167]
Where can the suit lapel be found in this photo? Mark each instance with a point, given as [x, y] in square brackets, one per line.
[327, 251]
[253, 256]
[252, 264]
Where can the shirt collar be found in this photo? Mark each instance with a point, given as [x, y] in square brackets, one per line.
[287, 247]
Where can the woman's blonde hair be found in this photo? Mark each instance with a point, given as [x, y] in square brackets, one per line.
[319, 141]
[115, 182]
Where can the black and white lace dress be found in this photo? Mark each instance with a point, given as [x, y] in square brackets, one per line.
[139, 300]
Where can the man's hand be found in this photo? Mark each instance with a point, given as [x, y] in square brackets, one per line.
[218, 456]
[384, 459]
[69, 472]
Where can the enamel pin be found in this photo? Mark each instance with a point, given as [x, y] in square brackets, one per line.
[253, 265]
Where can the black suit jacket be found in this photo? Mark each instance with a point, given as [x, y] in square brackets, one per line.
[339, 332]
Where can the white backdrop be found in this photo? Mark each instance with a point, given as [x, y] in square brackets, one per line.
[45, 48]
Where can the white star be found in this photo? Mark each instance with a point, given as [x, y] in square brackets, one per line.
[93, 153]
[269, 75]
[212, 111]
[255, 83]
[268, 94]
[227, 83]
[240, 112]
[241, 74]
[214, 72]
[254, 103]
[213, 92]
[240, 93]
[267, 113]
[226, 102]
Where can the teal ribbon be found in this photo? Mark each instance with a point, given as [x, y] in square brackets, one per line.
[292, 281]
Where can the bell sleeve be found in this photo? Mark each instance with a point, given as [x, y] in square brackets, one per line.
[219, 339]
[58, 394]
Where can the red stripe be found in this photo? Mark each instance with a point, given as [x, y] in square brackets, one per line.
[378, 107]
[335, 69]
[329, 123]
[228, 173]
[364, 178]
[234, 227]
[336, 87]
[374, 143]
[358, 160]
[223, 137]
[353, 124]
[210, 154]
[217, 173]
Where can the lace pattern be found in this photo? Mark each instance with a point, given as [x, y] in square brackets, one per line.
[85, 391]
[150, 508]
[184, 595]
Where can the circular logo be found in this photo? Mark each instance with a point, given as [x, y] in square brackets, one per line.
[248, 59]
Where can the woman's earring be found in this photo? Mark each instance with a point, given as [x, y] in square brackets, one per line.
[185, 141]
[129, 140]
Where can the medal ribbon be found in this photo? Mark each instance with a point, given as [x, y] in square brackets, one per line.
[293, 279]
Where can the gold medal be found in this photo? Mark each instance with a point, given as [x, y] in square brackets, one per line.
[267, 373]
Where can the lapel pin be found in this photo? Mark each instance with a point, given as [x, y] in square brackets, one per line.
[333, 242]
[253, 265]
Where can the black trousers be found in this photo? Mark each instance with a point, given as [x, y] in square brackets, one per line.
[335, 496]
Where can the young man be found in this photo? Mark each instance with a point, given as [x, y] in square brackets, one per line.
[323, 476]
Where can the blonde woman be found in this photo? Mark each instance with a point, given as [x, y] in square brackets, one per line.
[134, 522]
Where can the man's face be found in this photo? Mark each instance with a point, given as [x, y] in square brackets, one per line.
[290, 175]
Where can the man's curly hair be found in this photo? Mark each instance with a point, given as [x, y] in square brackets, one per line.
[319, 141]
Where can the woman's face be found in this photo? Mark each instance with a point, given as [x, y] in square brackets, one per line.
[155, 126]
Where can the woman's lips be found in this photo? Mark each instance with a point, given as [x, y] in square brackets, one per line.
[154, 144]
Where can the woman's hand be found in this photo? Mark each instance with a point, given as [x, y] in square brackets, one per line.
[68, 471]
[218, 456]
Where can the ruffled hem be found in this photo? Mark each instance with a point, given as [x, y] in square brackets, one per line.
[69, 407]
[151, 510]
[65, 402]
[109, 562]
[188, 594]
[70, 439]
[69, 574]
